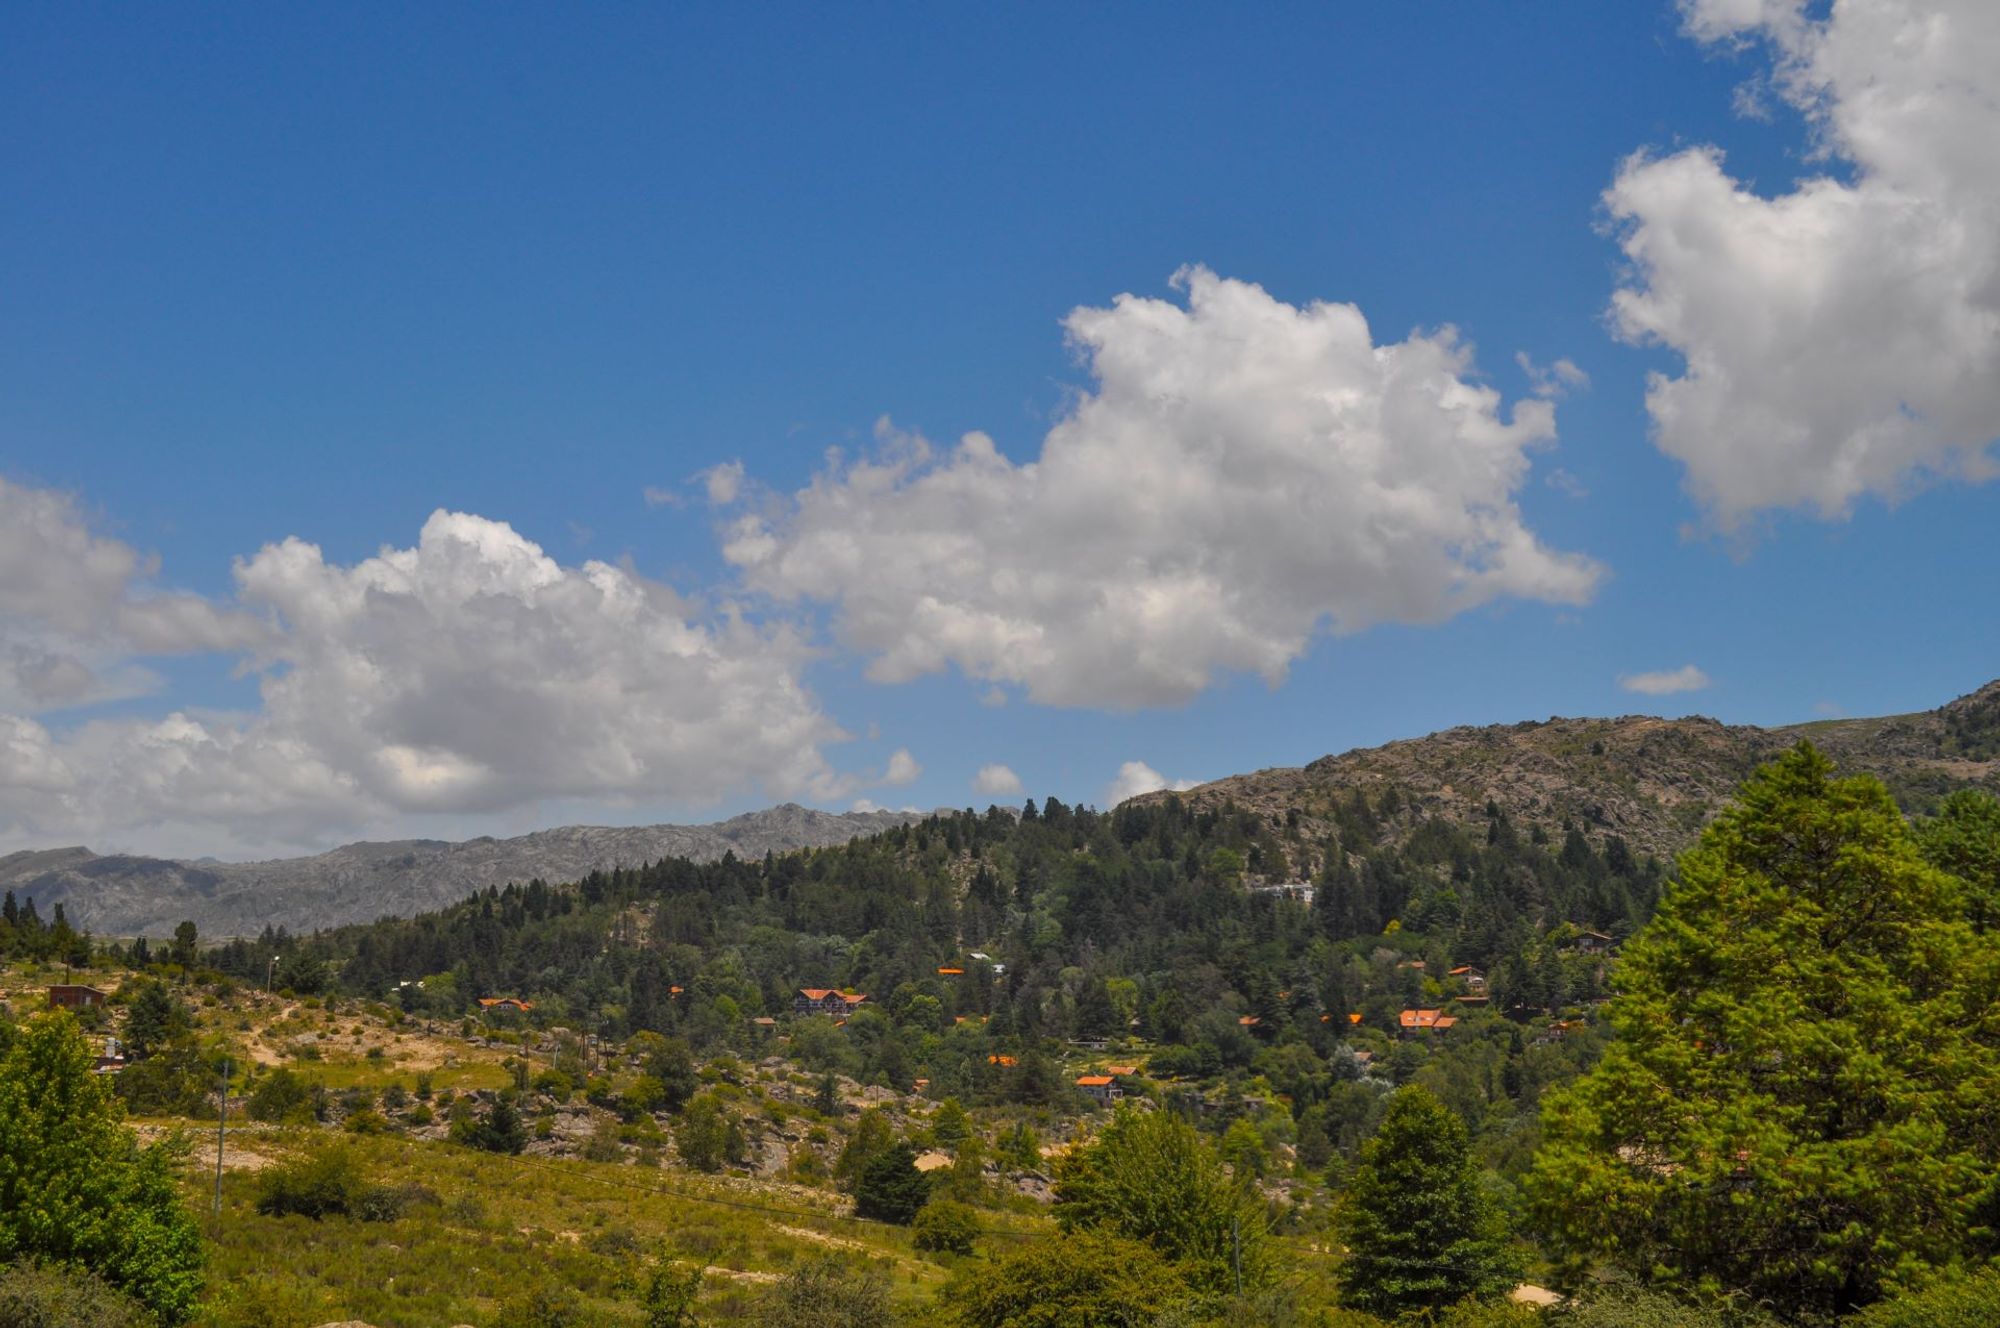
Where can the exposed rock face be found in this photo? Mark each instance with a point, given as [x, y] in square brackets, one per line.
[1654, 782]
[128, 896]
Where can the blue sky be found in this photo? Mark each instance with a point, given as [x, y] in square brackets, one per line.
[274, 274]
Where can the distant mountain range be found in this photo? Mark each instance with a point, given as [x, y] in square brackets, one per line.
[121, 895]
[1653, 782]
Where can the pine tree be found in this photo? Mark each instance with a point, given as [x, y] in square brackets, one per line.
[1799, 1102]
[891, 1188]
[1418, 1230]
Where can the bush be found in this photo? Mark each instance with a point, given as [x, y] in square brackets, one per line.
[36, 1296]
[945, 1227]
[891, 1188]
[1065, 1282]
[827, 1293]
[322, 1184]
[1957, 1302]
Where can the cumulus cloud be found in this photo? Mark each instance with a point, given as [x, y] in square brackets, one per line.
[1839, 339]
[903, 768]
[1665, 682]
[996, 781]
[1245, 473]
[470, 673]
[1136, 777]
[77, 608]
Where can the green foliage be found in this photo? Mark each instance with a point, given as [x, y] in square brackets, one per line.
[281, 1095]
[1964, 839]
[155, 1018]
[1085, 1279]
[891, 1189]
[671, 1064]
[873, 1136]
[1798, 1105]
[76, 1188]
[1953, 1302]
[327, 1182]
[1419, 1231]
[1637, 1307]
[672, 1287]
[54, 1296]
[499, 1131]
[945, 1226]
[1149, 1176]
[827, 1293]
[702, 1137]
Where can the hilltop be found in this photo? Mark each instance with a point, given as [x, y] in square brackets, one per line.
[123, 895]
[1653, 782]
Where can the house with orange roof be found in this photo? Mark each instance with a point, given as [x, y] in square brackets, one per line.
[1099, 1087]
[1473, 978]
[1424, 1021]
[826, 1000]
[504, 1003]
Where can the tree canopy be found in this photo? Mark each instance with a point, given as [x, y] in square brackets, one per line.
[76, 1188]
[1803, 1099]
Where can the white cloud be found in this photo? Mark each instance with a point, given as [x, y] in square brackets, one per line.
[1839, 339]
[1245, 472]
[1136, 777]
[903, 768]
[471, 673]
[724, 482]
[658, 497]
[864, 805]
[996, 781]
[1552, 381]
[78, 610]
[1665, 682]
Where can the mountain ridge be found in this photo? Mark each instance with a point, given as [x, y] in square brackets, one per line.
[1653, 782]
[129, 894]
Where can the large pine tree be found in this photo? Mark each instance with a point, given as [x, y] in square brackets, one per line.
[1803, 1100]
[1419, 1232]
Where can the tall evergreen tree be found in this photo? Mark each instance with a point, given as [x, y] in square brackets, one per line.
[1420, 1234]
[1801, 1101]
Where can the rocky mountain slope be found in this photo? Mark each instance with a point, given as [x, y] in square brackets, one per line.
[1653, 781]
[125, 896]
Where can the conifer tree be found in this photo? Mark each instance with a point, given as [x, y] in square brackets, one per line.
[1419, 1232]
[1799, 1104]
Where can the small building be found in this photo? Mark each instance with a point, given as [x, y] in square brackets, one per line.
[1474, 979]
[1594, 942]
[826, 1000]
[66, 996]
[505, 1003]
[949, 972]
[1249, 1021]
[1004, 1062]
[1424, 1021]
[1099, 1087]
[1473, 1001]
[764, 1023]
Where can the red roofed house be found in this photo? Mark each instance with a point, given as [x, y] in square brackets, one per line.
[504, 1003]
[1475, 980]
[826, 1000]
[1099, 1087]
[1424, 1021]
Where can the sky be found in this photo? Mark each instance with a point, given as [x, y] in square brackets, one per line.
[470, 419]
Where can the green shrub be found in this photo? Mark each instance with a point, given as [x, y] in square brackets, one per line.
[1956, 1302]
[322, 1184]
[945, 1227]
[827, 1293]
[36, 1296]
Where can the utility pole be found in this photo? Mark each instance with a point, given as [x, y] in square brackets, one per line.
[221, 1123]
